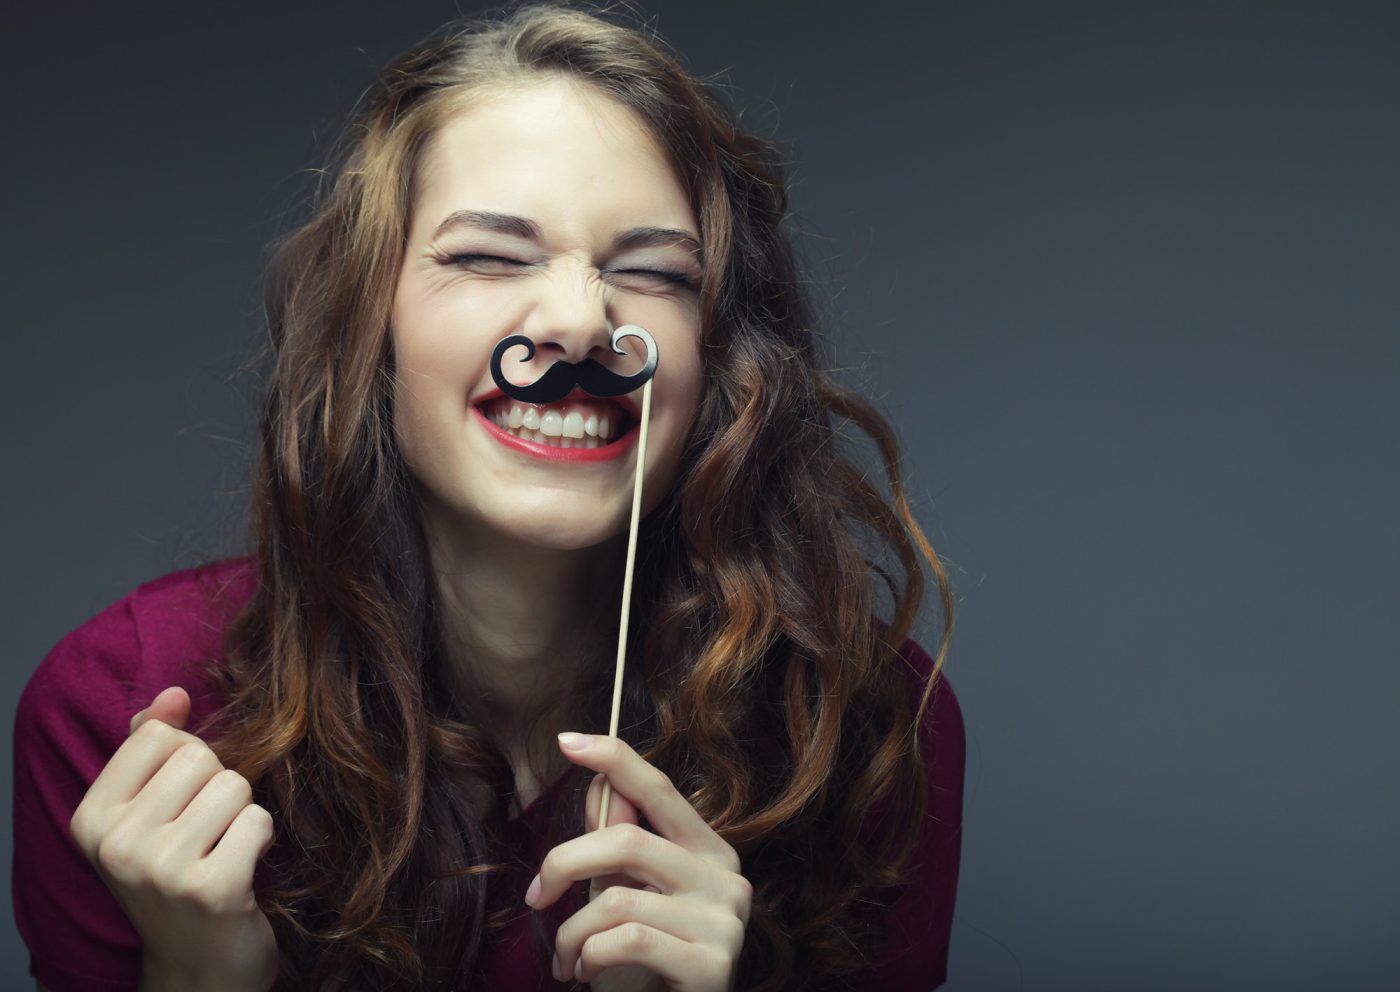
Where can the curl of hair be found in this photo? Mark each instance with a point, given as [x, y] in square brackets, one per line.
[759, 680]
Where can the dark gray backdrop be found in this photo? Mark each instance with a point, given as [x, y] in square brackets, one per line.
[1123, 274]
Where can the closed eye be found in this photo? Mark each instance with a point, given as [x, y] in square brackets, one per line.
[664, 275]
[467, 260]
[478, 261]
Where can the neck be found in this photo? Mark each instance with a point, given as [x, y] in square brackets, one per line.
[519, 621]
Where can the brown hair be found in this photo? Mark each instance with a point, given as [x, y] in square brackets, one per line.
[760, 679]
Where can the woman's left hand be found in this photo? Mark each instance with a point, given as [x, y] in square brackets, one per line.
[666, 910]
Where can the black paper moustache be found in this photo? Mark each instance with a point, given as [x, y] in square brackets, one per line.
[560, 378]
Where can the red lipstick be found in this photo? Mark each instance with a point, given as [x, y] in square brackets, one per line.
[606, 453]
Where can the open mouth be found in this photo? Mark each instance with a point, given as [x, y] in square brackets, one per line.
[585, 422]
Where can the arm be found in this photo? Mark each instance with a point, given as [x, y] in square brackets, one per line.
[65, 730]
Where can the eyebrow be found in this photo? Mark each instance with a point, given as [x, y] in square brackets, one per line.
[523, 227]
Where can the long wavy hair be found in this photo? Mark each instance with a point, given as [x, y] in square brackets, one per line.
[760, 679]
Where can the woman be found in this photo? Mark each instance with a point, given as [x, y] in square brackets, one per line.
[367, 756]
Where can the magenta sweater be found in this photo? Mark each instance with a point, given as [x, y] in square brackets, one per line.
[74, 714]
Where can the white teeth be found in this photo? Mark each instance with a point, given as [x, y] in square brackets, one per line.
[557, 429]
[555, 441]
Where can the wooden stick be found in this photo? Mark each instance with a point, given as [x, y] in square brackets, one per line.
[627, 589]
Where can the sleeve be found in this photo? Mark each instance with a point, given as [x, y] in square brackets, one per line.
[915, 958]
[72, 716]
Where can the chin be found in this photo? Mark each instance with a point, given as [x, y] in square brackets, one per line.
[564, 534]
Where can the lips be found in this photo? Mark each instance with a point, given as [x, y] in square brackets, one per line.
[572, 455]
[577, 428]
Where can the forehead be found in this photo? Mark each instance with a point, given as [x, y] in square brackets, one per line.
[561, 152]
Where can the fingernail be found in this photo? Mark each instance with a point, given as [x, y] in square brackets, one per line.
[533, 892]
[554, 969]
[578, 969]
[575, 742]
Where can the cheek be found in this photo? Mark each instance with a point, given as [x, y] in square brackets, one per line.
[682, 379]
[426, 383]
[437, 350]
[408, 414]
[440, 330]
[686, 381]
[429, 342]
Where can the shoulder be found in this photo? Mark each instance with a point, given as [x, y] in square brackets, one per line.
[941, 730]
[942, 741]
[921, 913]
[92, 681]
[183, 614]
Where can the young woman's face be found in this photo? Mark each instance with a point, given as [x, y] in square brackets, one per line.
[548, 212]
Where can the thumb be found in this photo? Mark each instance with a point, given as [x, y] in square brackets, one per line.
[171, 705]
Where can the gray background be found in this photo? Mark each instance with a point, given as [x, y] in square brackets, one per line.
[1125, 277]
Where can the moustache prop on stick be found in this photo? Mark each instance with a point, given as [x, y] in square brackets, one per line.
[599, 380]
[561, 377]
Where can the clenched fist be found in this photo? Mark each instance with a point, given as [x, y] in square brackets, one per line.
[176, 836]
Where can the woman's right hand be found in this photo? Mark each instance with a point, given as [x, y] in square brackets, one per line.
[176, 837]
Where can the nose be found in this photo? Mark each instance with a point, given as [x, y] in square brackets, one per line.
[570, 318]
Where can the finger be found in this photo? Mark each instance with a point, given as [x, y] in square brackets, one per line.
[619, 811]
[248, 838]
[172, 788]
[688, 919]
[681, 964]
[620, 808]
[171, 705]
[134, 764]
[197, 829]
[627, 849]
[650, 792]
